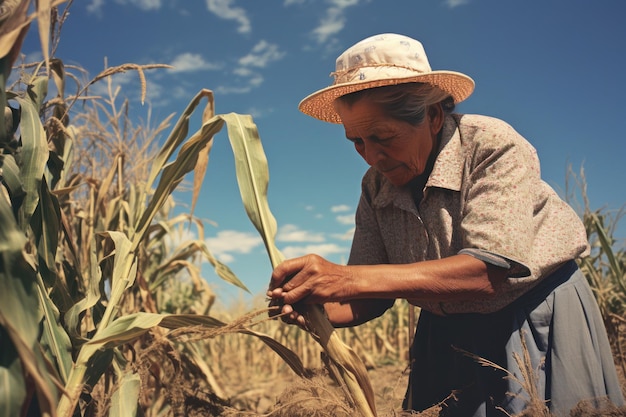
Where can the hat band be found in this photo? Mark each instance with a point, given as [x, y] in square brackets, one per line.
[348, 75]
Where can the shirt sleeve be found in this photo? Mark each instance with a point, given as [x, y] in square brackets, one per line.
[498, 197]
[488, 257]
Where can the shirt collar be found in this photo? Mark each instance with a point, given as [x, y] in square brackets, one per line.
[448, 169]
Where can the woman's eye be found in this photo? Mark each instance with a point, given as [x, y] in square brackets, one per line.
[383, 140]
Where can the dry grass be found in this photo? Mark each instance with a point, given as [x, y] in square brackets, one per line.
[270, 382]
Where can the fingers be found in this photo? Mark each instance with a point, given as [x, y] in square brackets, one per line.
[289, 315]
[285, 271]
[281, 287]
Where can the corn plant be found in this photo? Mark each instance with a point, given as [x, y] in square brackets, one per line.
[605, 267]
[84, 263]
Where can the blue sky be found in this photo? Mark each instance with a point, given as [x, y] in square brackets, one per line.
[553, 69]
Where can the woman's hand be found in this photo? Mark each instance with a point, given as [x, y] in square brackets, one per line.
[308, 279]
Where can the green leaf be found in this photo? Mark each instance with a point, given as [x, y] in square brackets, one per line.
[73, 315]
[11, 178]
[55, 339]
[12, 387]
[37, 91]
[174, 172]
[179, 133]
[124, 274]
[126, 396]
[34, 155]
[45, 223]
[20, 313]
[253, 178]
[127, 328]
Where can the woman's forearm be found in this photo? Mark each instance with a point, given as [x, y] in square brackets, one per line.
[459, 277]
[356, 312]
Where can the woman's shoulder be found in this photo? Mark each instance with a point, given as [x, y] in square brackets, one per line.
[488, 131]
[478, 123]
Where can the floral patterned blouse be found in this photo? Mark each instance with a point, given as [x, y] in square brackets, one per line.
[484, 197]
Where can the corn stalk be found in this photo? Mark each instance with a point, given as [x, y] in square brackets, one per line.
[112, 331]
[253, 178]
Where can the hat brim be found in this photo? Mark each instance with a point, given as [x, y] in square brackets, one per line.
[320, 104]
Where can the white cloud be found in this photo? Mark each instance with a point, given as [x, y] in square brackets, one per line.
[189, 62]
[290, 2]
[292, 233]
[224, 10]
[95, 6]
[262, 54]
[455, 3]
[348, 235]
[229, 242]
[345, 219]
[179, 92]
[178, 236]
[258, 113]
[339, 208]
[224, 89]
[142, 4]
[334, 20]
[323, 250]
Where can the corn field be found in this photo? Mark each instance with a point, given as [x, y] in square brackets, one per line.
[103, 308]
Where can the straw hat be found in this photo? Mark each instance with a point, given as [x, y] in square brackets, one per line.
[381, 60]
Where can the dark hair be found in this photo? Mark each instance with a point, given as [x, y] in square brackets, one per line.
[407, 102]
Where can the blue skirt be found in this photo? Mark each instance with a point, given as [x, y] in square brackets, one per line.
[555, 330]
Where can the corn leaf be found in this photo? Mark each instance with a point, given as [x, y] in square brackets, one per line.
[43, 21]
[37, 91]
[46, 228]
[34, 156]
[203, 157]
[174, 172]
[607, 248]
[20, 314]
[126, 396]
[253, 178]
[124, 274]
[127, 328]
[14, 20]
[10, 177]
[12, 387]
[178, 135]
[73, 315]
[55, 339]
[290, 358]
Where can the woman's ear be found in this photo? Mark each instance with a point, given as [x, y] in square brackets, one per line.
[435, 117]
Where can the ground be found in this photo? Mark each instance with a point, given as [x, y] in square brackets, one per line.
[290, 396]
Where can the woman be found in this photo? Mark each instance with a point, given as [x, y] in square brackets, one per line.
[455, 218]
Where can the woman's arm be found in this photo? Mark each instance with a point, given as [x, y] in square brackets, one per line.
[356, 312]
[347, 290]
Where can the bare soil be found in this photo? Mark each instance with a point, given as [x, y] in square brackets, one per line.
[291, 396]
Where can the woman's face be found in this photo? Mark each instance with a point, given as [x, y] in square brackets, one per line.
[395, 148]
